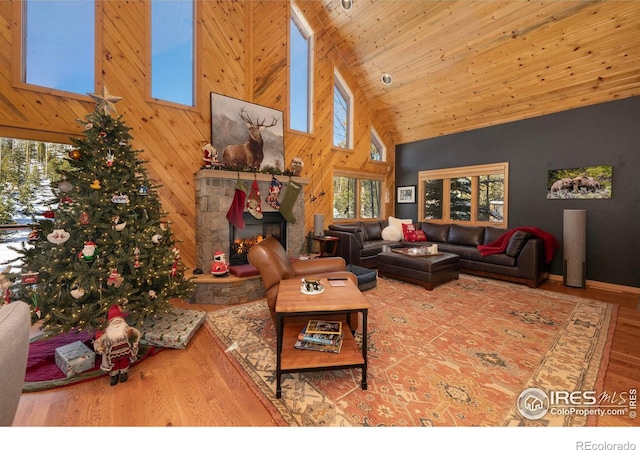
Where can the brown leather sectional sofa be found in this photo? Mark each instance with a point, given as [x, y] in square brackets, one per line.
[523, 260]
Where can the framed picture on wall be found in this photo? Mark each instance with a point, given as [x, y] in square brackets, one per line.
[589, 183]
[246, 136]
[406, 194]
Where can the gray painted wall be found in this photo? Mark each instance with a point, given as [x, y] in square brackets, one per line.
[604, 134]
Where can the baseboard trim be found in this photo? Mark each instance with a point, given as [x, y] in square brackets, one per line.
[602, 285]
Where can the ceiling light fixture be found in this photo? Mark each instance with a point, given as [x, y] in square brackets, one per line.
[387, 79]
[346, 4]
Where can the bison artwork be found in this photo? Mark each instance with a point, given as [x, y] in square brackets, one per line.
[583, 183]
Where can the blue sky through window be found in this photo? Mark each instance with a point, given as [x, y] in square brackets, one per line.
[60, 44]
[172, 52]
[299, 80]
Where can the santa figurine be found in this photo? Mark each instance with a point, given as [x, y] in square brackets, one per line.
[219, 268]
[118, 345]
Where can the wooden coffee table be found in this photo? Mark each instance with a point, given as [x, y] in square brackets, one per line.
[292, 303]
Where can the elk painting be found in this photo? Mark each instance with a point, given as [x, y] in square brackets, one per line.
[582, 183]
[249, 137]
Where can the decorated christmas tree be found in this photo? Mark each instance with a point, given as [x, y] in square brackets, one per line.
[105, 240]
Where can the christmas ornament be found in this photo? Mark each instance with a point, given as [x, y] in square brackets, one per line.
[65, 186]
[110, 159]
[84, 218]
[116, 223]
[89, 252]
[48, 214]
[164, 225]
[34, 235]
[136, 257]
[156, 238]
[118, 345]
[75, 154]
[66, 203]
[219, 268]
[88, 126]
[77, 292]
[58, 236]
[29, 277]
[115, 279]
[143, 190]
[121, 199]
[105, 101]
[95, 185]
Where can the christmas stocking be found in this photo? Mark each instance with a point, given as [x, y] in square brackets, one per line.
[289, 201]
[234, 215]
[254, 204]
[274, 192]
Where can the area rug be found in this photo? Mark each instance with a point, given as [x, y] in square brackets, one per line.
[459, 355]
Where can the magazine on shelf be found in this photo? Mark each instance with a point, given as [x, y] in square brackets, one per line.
[324, 327]
[320, 338]
[307, 345]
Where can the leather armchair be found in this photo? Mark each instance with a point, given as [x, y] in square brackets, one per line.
[274, 265]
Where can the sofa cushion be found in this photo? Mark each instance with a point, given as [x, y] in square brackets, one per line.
[395, 222]
[411, 234]
[350, 228]
[491, 234]
[465, 235]
[391, 233]
[435, 232]
[372, 231]
[517, 243]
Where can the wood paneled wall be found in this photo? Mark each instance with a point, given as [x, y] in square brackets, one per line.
[242, 50]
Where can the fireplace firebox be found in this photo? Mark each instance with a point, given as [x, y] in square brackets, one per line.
[272, 224]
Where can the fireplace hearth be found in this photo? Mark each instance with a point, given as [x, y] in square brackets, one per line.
[272, 224]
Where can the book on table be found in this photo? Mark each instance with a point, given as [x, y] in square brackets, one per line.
[324, 327]
[319, 338]
[315, 346]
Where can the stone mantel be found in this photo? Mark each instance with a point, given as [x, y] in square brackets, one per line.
[215, 189]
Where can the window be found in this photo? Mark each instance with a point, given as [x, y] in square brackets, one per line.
[172, 51]
[27, 170]
[378, 150]
[476, 195]
[342, 113]
[356, 196]
[300, 73]
[59, 45]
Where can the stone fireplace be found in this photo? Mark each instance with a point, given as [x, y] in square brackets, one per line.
[215, 190]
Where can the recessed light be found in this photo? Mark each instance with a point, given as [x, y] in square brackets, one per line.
[386, 78]
[346, 4]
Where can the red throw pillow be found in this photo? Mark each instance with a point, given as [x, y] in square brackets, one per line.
[411, 234]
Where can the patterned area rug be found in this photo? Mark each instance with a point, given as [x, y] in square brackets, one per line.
[459, 355]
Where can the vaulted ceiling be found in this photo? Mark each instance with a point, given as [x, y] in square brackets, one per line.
[460, 65]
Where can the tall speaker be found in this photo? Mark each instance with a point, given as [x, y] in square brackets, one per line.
[574, 237]
[318, 224]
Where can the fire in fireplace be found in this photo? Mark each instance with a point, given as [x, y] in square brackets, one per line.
[272, 224]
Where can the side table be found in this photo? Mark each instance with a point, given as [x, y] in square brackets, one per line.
[328, 245]
[334, 300]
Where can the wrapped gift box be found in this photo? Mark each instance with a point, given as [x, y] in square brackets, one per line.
[75, 358]
[173, 329]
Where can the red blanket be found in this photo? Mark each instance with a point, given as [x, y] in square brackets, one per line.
[500, 245]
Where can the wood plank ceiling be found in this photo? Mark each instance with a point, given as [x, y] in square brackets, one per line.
[460, 65]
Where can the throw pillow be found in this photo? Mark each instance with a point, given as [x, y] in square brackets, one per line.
[395, 222]
[391, 233]
[412, 235]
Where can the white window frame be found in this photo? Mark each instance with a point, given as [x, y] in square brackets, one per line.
[376, 141]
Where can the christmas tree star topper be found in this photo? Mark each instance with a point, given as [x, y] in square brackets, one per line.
[105, 101]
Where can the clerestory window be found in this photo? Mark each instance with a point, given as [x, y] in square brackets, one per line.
[342, 113]
[301, 50]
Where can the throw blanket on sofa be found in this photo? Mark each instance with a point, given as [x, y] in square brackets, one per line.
[500, 245]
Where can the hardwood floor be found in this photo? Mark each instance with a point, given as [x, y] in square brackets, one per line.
[162, 392]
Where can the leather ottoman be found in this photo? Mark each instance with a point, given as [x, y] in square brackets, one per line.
[427, 271]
